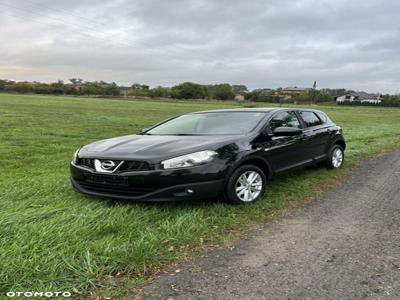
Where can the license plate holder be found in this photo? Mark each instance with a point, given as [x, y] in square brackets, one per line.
[106, 179]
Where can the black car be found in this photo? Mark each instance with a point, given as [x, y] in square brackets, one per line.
[230, 153]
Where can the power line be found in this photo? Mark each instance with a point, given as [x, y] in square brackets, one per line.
[80, 17]
[47, 24]
[155, 52]
[93, 30]
[52, 18]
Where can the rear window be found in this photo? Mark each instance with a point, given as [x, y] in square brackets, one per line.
[310, 118]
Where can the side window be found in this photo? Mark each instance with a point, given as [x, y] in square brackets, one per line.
[284, 119]
[322, 116]
[310, 118]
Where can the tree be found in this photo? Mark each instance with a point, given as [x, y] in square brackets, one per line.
[314, 96]
[138, 86]
[159, 92]
[239, 89]
[391, 100]
[23, 87]
[3, 84]
[42, 88]
[139, 90]
[222, 92]
[323, 97]
[111, 89]
[334, 93]
[57, 88]
[92, 88]
[265, 95]
[189, 90]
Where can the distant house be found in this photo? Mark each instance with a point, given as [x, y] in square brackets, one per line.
[75, 86]
[239, 98]
[288, 93]
[124, 90]
[294, 90]
[362, 97]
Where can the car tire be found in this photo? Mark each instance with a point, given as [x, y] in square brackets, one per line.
[335, 157]
[246, 185]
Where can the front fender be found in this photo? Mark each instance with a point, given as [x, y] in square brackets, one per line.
[250, 157]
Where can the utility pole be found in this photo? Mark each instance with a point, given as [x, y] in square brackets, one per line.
[313, 92]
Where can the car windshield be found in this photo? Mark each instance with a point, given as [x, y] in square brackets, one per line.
[213, 123]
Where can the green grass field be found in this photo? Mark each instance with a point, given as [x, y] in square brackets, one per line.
[53, 239]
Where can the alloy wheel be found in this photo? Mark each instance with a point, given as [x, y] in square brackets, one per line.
[249, 186]
[337, 158]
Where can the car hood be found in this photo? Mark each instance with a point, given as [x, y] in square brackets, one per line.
[153, 147]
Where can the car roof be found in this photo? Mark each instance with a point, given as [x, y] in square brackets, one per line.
[255, 109]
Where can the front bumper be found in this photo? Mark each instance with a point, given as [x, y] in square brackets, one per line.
[201, 182]
[203, 190]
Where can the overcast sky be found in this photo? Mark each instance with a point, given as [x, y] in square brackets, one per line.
[260, 43]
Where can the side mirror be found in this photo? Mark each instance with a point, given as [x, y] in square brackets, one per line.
[287, 131]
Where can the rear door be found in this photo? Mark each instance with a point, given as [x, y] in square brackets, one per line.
[284, 152]
[315, 134]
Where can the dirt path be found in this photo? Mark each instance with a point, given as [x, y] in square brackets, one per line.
[344, 245]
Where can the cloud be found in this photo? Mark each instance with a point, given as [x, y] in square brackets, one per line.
[261, 43]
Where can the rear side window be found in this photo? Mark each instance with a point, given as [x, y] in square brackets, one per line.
[322, 116]
[310, 118]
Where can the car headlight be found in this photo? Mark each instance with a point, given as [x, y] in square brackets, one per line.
[189, 160]
[75, 157]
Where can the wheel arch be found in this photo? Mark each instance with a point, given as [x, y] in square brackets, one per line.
[340, 142]
[257, 161]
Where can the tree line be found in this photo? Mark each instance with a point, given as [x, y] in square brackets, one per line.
[75, 87]
[186, 90]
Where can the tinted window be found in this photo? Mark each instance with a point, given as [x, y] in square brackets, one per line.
[322, 116]
[310, 118]
[284, 119]
[225, 123]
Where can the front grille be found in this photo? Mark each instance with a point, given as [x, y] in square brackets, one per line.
[86, 162]
[115, 190]
[127, 166]
[130, 166]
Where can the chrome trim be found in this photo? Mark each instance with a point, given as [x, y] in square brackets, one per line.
[135, 172]
[99, 168]
[81, 167]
